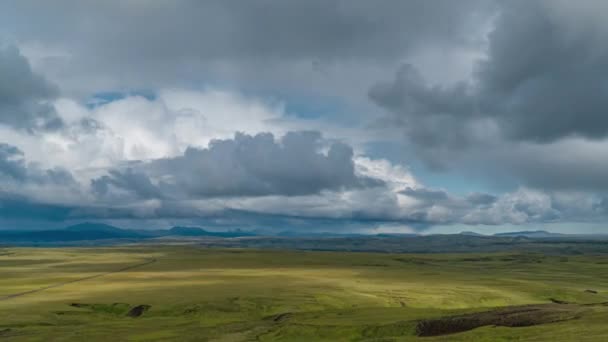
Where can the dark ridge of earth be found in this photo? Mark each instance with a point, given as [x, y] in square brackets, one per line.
[513, 316]
[138, 310]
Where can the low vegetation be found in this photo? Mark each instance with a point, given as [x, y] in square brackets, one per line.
[165, 293]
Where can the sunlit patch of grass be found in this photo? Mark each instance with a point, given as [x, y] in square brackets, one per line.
[237, 295]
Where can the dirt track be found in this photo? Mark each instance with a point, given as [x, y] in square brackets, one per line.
[126, 268]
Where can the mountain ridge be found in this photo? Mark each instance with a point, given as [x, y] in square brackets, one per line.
[95, 233]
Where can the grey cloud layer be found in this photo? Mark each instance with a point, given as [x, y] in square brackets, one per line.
[533, 111]
[542, 77]
[244, 166]
[24, 95]
[14, 169]
[272, 180]
[267, 45]
[186, 29]
[540, 81]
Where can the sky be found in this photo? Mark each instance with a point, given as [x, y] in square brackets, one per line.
[340, 116]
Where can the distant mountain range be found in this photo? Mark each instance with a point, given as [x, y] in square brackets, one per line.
[99, 233]
[467, 233]
[525, 233]
[533, 234]
[195, 231]
[540, 234]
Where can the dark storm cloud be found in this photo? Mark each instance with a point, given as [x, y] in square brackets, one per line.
[540, 85]
[24, 95]
[245, 166]
[542, 80]
[432, 115]
[256, 44]
[229, 29]
[534, 112]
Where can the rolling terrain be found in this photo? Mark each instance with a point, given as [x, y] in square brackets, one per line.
[165, 293]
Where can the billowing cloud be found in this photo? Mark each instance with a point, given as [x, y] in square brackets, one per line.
[246, 166]
[328, 186]
[230, 112]
[539, 81]
[540, 78]
[24, 95]
[432, 115]
[533, 113]
[231, 30]
[14, 169]
[326, 51]
[131, 181]
[11, 165]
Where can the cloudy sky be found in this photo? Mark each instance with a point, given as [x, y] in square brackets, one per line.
[320, 115]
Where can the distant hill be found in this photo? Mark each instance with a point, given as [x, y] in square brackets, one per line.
[306, 234]
[468, 233]
[187, 231]
[88, 231]
[539, 234]
[79, 232]
[98, 234]
[396, 235]
[102, 230]
[88, 226]
[195, 231]
[448, 243]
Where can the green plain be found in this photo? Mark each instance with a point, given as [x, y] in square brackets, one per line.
[199, 294]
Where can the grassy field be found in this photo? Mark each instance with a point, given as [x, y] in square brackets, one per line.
[149, 293]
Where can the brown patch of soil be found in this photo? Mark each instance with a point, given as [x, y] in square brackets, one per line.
[514, 316]
[139, 310]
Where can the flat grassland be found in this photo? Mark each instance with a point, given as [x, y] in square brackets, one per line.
[183, 293]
